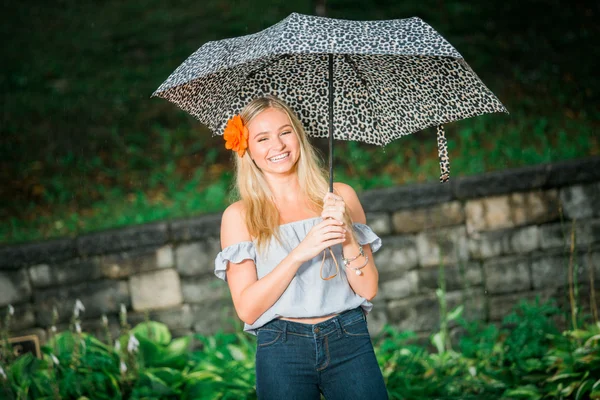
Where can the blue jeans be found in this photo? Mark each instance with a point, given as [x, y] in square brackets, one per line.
[334, 357]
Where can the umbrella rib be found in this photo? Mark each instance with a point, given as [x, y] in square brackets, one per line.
[360, 76]
[266, 64]
[355, 68]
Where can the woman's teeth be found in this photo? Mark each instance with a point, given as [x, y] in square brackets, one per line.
[279, 158]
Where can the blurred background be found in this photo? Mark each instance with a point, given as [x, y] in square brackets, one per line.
[83, 147]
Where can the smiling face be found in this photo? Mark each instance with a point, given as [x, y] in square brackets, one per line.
[273, 144]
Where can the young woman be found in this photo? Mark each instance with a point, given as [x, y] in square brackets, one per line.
[299, 264]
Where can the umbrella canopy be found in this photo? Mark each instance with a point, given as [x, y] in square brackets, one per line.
[371, 81]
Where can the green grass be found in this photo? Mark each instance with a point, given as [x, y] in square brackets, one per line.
[84, 147]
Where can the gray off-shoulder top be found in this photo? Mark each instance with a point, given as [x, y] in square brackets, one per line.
[307, 295]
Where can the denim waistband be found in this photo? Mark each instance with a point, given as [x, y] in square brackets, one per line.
[323, 328]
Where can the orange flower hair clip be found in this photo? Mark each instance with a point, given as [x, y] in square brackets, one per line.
[236, 135]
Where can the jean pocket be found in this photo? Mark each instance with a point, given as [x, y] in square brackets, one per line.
[268, 337]
[356, 328]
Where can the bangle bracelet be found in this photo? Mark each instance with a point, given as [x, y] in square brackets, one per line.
[357, 270]
[349, 260]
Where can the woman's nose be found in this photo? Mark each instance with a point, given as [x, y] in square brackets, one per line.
[279, 143]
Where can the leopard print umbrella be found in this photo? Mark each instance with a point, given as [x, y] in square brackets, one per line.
[390, 78]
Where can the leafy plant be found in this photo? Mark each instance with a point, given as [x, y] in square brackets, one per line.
[525, 358]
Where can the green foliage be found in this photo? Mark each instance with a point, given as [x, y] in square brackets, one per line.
[529, 338]
[575, 365]
[525, 358]
[224, 369]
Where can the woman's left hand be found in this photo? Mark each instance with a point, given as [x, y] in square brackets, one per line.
[333, 207]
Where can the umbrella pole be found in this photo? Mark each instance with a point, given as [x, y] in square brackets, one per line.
[330, 161]
[330, 122]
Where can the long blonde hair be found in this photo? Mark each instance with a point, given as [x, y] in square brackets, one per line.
[261, 214]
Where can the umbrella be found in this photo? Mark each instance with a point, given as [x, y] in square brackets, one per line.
[370, 81]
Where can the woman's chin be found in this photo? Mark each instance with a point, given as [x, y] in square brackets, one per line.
[282, 169]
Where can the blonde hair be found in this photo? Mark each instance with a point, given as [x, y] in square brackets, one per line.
[261, 214]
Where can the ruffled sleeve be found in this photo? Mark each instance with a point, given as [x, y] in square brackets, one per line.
[235, 253]
[365, 235]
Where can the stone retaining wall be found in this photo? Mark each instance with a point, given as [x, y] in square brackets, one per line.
[500, 237]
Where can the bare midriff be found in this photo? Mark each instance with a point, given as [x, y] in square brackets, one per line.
[310, 321]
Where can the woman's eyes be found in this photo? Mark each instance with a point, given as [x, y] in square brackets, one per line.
[265, 138]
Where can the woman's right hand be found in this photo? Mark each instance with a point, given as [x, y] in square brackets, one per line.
[323, 235]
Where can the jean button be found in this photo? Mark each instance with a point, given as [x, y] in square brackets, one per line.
[316, 330]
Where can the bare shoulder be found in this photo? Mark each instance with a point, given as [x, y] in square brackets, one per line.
[352, 201]
[233, 226]
[234, 209]
[343, 188]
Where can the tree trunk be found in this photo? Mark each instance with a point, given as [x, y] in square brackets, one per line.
[320, 7]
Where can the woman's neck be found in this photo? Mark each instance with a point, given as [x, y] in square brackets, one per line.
[285, 189]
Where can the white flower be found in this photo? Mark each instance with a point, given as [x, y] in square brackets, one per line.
[117, 345]
[11, 310]
[78, 307]
[473, 371]
[54, 359]
[53, 329]
[104, 320]
[2, 373]
[133, 344]
[123, 367]
[77, 327]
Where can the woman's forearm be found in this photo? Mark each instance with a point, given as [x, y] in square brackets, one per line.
[262, 294]
[365, 284]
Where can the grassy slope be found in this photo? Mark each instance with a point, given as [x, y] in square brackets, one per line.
[84, 147]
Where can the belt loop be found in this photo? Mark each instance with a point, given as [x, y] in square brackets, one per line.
[285, 325]
[338, 324]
